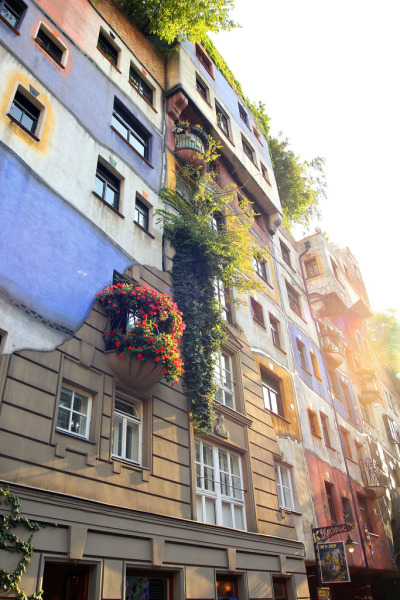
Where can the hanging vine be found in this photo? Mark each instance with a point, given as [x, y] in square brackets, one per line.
[212, 245]
[10, 542]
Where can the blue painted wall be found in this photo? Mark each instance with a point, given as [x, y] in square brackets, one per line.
[52, 258]
[229, 98]
[319, 386]
[86, 92]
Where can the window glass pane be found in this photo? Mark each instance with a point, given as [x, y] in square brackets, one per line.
[9, 14]
[16, 112]
[137, 144]
[65, 397]
[99, 186]
[132, 441]
[80, 403]
[226, 514]
[122, 129]
[63, 418]
[111, 196]
[210, 511]
[78, 424]
[199, 508]
[117, 443]
[238, 513]
[146, 588]
[28, 122]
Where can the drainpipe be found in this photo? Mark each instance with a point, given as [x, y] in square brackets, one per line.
[307, 245]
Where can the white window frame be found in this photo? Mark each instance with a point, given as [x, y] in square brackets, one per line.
[220, 481]
[281, 487]
[223, 376]
[74, 391]
[126, 419]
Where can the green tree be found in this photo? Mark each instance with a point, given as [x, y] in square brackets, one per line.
[179, 19]
[301, 184]
[384, 330]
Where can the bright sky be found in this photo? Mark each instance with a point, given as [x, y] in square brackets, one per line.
[328, 74]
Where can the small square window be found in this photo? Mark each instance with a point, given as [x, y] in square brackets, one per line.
[140, 84]
[315, 365]
[243, 114]
[227, 587]
[127, 127]
[51, 45]
[302, 354]
[285, 253]
[107, 186]
[222, 120]
[275, 331]
[202, 88]
[142, 214]
[11, 12]
[284, 487]
[204, 60]
[311, 266]
[264, 172]
[272, 394]
[325, 429]
[127, 431]
[106, 47]
[27, 112]
[248, 150]
[74, 412]
[260, 267]
[294, 299]
[257, 311]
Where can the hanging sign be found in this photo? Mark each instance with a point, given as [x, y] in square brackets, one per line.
[333, 563]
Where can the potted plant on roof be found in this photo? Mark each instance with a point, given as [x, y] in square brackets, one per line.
[143, 335]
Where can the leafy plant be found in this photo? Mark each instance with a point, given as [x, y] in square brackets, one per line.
[151, 326]
[212, 244]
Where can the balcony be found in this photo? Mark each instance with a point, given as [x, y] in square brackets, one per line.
[332, 349]
[374, 479]
[191, 143]
[369, 386]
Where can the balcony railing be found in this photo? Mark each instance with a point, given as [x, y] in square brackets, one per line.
[374, 479]
[332, 349]
[369, 386]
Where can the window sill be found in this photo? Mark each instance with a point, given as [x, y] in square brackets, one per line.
[246, 123]
[266, 180]
[205, 99]
[279, 348]
[352, 460]
[258, 322]
[301, 317]
[9, 25]
[109, 205]
[330, 447]
[141, 95]
[74, 435]
[32, 135]
[277, 415]
[225, 134]
[306, 371]
[316, 435]
[250, 159]
[312, 277]
[45, 50]
[132, 148]
[144, 229]
[106, 57]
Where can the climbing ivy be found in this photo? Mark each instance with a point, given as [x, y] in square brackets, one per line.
[212, 245]
[9, 542]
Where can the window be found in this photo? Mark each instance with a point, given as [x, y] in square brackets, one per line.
[145, 584]
[272, 394]
[346, 399]
[347, 512]
[11, 12]
[312, 419]
[74, 412]
[257, 136]
[335, 269]
[126, 126]
[127, 431]
[346, 442]
[107, 186]
[226, 587]
[311, 266]
[359, 452]
[51, 45]
[366, 412]
[202, 88]
[142, 87]
[243, 114]
[222, 297]
[142, 214]
[248, 150]
[325, 429]
[329, 488]
[224, 377]
[219, 485]
[285, 253]
[107, 48]
[301, 349]
[365, 514]
[284, 487]
[265, 174]
[24, 112]
[206, 62]
[294, 299]
[222, 120]
[315, 365]
[257, 311]
[260, 268]
[280, 588]
[275, 331]
[68, 580]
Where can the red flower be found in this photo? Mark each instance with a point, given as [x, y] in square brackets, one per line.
[157, 360]
[165, 371]
[120, 355]
[139, 356]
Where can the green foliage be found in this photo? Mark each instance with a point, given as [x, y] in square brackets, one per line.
[384, 330]
[172, 20]
[9, 542]
[301, 184]
[205, 254]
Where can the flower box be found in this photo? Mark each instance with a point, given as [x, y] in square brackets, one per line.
[134, 373]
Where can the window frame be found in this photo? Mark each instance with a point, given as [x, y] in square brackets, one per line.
[325, 429]
[313, 422]
[249, 151]
[270, 384]
[315, 365]
[127, 418]
[200, 84]
[257, 311]
[294, 300]
[215, 490]
[301, 350]
[13, 6]
[47, 45]
[346, 442]
[110, 181]
[110, 48]
[89, 397]
[142, 87]
[224, 375]
[33, 102]
[243, 115]
[275, 326]
[132, 128]
[144, 211]
[330, 491]
[204, 60]
[260, 267]
[280, 487]
[264, 172]
[222, 295]
[311, 267]
[365, 512]
[222, 120]
[285, 253]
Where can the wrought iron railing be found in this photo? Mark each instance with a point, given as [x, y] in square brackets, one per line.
[372, 473]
